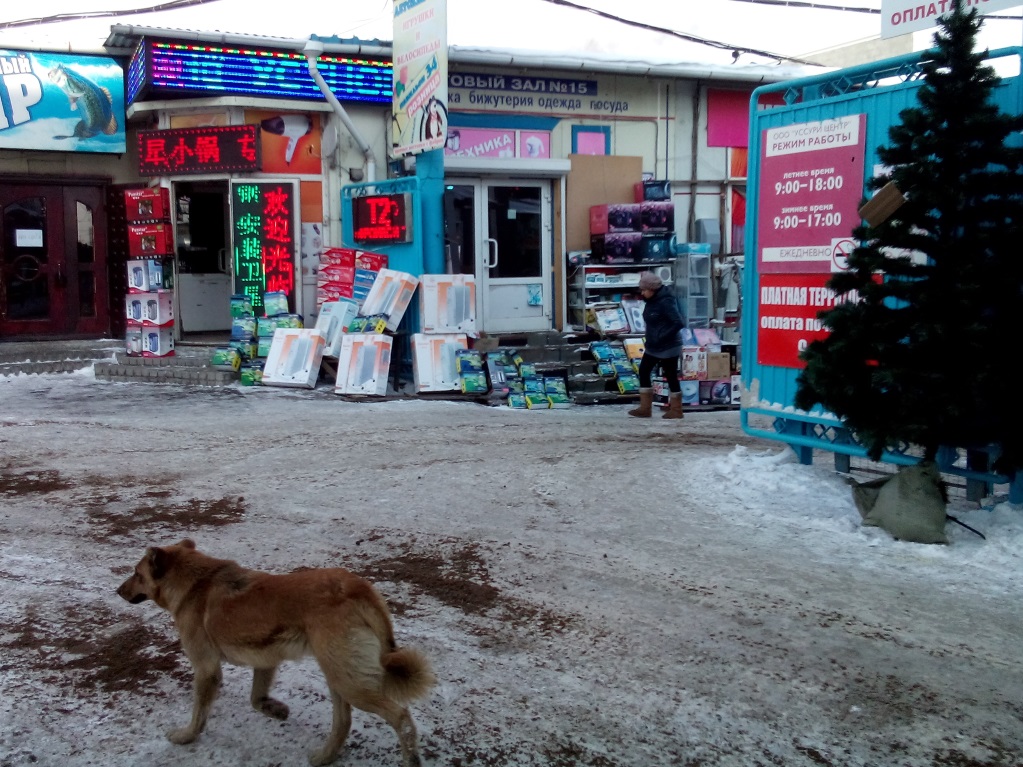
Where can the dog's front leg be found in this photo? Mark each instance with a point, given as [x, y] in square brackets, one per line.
[262, 678]
[206, 684]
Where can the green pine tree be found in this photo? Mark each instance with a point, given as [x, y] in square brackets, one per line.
[921, 353]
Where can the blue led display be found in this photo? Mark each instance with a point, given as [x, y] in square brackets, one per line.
[185, 68]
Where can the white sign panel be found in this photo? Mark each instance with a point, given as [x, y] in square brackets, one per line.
[900, 17]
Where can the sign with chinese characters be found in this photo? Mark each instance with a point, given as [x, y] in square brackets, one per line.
[381, 218]
[210, 149]
[58, 102]
[811, 184]
[263, 232]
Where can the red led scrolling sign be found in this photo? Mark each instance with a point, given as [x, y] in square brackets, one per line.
[208, 149]
[382, 218]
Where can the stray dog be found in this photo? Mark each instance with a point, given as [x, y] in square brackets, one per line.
[224, 612]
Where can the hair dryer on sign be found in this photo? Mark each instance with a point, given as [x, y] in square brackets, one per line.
[292, 127]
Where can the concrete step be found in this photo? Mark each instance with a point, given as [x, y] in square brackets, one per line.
[188, 365]
[42, 357]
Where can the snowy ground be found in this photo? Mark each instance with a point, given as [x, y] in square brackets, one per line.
[593, 590]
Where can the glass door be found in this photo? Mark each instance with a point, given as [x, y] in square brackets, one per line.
[500, 231]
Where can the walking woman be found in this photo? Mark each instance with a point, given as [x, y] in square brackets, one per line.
[662, 345]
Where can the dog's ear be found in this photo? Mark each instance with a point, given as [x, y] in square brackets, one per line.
[157, 560]
[188, 543]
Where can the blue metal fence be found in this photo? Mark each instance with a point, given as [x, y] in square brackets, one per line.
[880, 90]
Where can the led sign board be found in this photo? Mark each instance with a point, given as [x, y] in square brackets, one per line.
[262, 224]
[190, 69]
[382, 218]
[209, 149]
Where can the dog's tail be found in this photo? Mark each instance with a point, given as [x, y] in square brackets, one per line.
[407, 674]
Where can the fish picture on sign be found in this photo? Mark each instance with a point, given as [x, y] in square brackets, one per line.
[61, 102]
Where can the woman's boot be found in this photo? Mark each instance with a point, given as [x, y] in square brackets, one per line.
[674, 406]
[646, 400]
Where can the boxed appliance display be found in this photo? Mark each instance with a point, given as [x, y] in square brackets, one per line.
[226, 358]
[334, 319]
[157, 341]
[608, 320]
[652, 190]
[719, 365]
[716, 392]
[157, 308]
[148, 274]
[690, 393]
[657, 215]
[134, 308]
[152, 204]
[133, 341]
[617, 248]
[435, 361]
[633, 308]
[390, 296]
[615, 217]
[447, 303]
[363, 364]
[694, 364]
[736, 396]
[656, 246]
[294, 358]
[147, 240]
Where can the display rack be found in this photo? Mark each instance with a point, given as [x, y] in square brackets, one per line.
[594, 285]
[692, 287]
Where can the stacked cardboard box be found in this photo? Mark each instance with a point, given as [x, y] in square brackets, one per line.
[149, 305]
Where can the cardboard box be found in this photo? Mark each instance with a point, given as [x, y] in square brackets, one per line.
[152, 204]
[157, 341]
[434, 361]
[657, 215]
[608, 320]
[447, 303]
[656, 247]
[653, 190]
[157, 308]
[148, 274]
[390, 296]
[694, 364]
[333, 321]
[133, 310]
[634, 348]
[363, 364]
[719, 365]
[633, 308]
[616, 217]
[617, 248]
[736, 396]
[147, 240]
[294, 358]
[690, 393]
[882, 205]
[716, 392]
[133, 341]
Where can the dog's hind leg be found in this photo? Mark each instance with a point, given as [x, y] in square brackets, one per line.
[401, 720]
[262, 678]
[206, 684]
[338, 732]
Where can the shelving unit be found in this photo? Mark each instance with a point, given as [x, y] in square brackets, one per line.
[593, 285]
[692, 286]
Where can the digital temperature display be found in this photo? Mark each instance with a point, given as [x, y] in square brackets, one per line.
[382, 218]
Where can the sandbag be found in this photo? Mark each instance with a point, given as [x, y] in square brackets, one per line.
[908, 504]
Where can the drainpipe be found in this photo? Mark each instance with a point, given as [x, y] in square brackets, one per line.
[313, 49]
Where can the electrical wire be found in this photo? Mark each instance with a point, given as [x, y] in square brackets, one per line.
[170, 5]
[736, 49]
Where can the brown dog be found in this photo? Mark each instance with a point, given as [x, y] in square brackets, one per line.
[224, 612]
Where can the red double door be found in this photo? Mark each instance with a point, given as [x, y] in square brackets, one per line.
[53, 261]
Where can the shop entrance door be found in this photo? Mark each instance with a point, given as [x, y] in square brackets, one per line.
[53, 250]
[500, 231]
[202, 244]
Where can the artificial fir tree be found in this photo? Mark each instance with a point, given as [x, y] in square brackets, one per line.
[923, 351]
